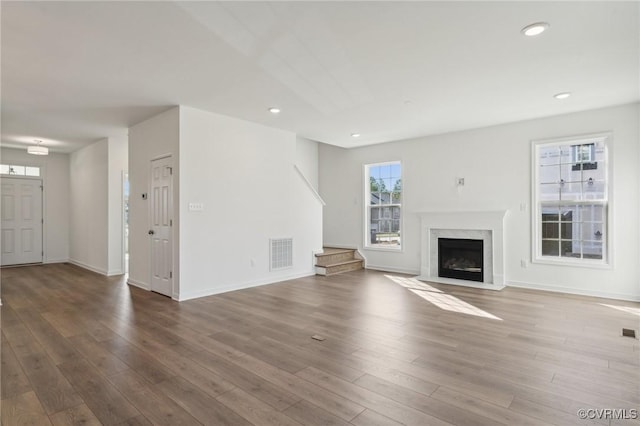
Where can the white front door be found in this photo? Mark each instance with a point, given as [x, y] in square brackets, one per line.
[161, 223]
[21, 221]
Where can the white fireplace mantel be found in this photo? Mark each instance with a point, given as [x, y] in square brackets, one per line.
[486, 225]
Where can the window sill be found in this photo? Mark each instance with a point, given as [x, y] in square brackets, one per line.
[592, 264]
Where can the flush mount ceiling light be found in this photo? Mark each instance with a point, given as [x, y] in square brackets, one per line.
[38, 149]
[274, 110]
[355, 135]
[534, 29]
[563, 95]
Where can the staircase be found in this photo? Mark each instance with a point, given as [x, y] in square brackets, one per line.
[336, 261]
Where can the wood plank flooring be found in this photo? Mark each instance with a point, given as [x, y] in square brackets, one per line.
[80, 348]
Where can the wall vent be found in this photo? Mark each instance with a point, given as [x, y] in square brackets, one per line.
[281, 253]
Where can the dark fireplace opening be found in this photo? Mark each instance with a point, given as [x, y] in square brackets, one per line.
[461, 258]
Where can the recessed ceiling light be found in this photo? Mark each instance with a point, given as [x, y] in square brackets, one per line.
[274, 110]
[563, 95]
[535, 29]
[355, 135]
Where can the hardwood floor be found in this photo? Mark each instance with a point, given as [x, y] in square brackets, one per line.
[79, 348]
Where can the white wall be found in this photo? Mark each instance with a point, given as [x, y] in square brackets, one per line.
[155, 137]
[55, 174]
[89, 207]
[496, 165]
[118, 164]
[243, 174]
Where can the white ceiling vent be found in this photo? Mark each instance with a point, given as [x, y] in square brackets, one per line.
[281, 253]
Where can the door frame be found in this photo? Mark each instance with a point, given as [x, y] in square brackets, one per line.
[150, 222]
[43, 223]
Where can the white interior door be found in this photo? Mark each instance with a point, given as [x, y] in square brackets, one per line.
[21, 221]
[161, 223]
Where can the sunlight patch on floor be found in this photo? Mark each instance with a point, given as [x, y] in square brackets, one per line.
[452, 303]
[412, 283]
[628, 309]
[436, 296]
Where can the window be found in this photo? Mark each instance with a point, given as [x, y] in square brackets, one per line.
[582, 153]
[7, 169]
[571, 200]
[383, 195]
[32, 171]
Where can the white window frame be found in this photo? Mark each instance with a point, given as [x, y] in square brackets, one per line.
[367, 210]
[536, 220]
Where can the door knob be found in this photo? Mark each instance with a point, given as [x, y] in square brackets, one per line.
[151, 232]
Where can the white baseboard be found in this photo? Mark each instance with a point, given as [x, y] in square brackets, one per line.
[570, 290]
[393, 269]
[56, 261]
[463, 283]
[114, 273]
[239, 286]
[88, 267]
[138, 284]
[341, 246]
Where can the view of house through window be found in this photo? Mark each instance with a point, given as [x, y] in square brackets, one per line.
[383, 191]
[571, 199]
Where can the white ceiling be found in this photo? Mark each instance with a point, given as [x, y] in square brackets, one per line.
[76, 72]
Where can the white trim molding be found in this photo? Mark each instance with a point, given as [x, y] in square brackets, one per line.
[139, 284]
[392, 269]
[309, 185]
[578, 291]
[48, 261]
[226, 288]
[88, 267]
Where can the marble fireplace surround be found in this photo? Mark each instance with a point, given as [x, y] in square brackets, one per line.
[478, 225]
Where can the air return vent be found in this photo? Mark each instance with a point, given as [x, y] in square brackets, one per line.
[281, 253]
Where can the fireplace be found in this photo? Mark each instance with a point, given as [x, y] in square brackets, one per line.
[487, 226]
[461, 258]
